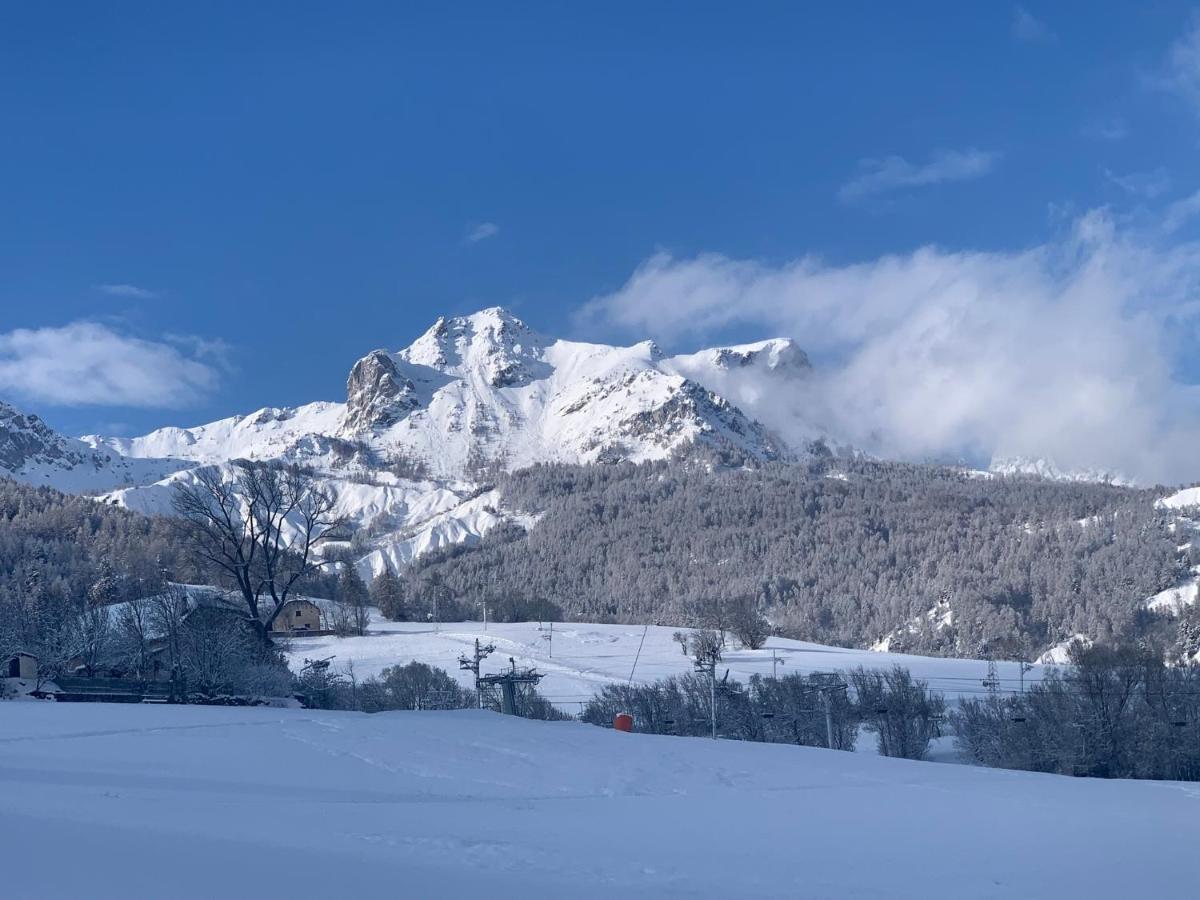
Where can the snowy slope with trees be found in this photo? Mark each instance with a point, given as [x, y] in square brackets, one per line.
[578, 658]
[199, 802]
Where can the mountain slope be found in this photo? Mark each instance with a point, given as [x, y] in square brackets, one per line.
[32, 452]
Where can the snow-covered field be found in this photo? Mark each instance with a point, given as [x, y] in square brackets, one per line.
[578, 659]
[135, 801]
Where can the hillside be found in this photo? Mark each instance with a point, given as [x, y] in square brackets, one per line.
[842, 552]
[194, 802]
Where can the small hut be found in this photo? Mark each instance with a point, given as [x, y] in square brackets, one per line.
[21, 665]
[297, 617]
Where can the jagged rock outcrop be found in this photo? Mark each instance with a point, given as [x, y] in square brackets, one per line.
[377, 394]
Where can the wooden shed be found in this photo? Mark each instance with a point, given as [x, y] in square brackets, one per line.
[21, 665]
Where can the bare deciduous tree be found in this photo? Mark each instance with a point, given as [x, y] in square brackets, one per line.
[747, 622]
[262, 525]
[135, 628]
[168, 610]
[900, 709]
[92, 634]
[705, 647]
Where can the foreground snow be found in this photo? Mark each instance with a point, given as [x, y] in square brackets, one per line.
[579, 658]
[155, 801]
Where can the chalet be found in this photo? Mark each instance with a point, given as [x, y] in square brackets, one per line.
[21, 665]
[297, 617]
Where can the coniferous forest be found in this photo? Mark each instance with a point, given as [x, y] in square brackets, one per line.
[844, 553]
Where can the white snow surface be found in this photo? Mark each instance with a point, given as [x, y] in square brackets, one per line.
[938, 617]
[264, 434]
[1184, 499]
[1173, 601]
[582, 658]
[1060, 653]
[132, 801]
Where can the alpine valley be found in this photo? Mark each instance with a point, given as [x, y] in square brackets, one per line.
[475, 427]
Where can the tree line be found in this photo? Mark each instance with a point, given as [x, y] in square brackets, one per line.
[1115, 712]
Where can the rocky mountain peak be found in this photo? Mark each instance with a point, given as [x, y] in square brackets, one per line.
[377, 393]
[26, 439]
[492, 342]
[776, 355]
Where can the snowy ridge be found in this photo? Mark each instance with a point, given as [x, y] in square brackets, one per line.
[267, 433]
[1048, 469]
[484, 390]
[33, 452]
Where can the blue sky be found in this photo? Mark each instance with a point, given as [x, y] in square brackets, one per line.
[233, 202]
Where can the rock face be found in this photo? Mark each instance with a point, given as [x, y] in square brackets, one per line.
[780, 355]
[377, 395]
[25, 440]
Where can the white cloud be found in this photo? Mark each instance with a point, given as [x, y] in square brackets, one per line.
[86, 363]
[1029, 29]
[482, 232]
[214, 350]
[895, 172]
[1061, 351]
[1180, 71]
[1149, 185]
[131, 291]
[1180, 212]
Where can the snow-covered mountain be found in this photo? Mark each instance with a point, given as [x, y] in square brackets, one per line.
[33, 452]
[485, 390]
[408, 450]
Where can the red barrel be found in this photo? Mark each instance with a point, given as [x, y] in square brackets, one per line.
[623, 722]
